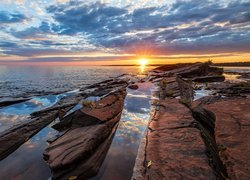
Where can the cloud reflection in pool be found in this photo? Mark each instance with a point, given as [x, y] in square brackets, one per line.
[121, 156]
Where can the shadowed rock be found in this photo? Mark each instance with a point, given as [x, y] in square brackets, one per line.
[81, 150]
[209, 79]
[169, 67]
[12, 101]
[191, 70]
[133, 86]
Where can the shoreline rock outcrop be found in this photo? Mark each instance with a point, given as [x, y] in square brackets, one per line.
[81, 150]
[202, 139]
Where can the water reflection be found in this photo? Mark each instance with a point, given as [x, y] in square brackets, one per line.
[232, 77]
[27, 161]
[142, 69]
[121, 156]
[201, 93]
[17, 113]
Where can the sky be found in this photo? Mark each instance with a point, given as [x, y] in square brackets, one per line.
[123, 31]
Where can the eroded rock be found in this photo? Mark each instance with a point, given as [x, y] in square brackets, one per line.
[81, 150]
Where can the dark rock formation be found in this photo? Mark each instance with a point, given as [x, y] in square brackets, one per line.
[81, 150]
[169, 67]
[133, 86]
[193, 70]
[209, 79]
[12, 101]
[236, 89]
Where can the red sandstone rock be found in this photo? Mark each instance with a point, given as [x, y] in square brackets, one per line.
[232, 133]
[82, 149]
[174, 147]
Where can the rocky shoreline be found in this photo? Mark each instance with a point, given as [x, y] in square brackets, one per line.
[186, 138]
[202, 139]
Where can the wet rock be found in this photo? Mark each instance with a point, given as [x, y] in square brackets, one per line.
[209, 79]
[81, 150]
[133, 86]
[12, 138]
[93, 113]
[12, 101]
[232, 132]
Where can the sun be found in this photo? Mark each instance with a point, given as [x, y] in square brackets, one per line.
[143, 62]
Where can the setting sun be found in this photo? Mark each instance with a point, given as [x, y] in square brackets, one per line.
[143, 62]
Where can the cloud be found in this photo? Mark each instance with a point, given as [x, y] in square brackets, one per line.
[6, 17]
[107, 26]
[92, 18]
[33, 32]
[194, 26]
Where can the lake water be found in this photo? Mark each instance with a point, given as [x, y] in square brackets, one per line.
[39, 80]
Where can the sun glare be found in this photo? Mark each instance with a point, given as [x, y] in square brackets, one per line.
[143, 62]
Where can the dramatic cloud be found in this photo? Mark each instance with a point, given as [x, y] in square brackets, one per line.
[179, 27]
[6, 17]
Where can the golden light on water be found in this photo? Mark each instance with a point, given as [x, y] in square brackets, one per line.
[143, 62]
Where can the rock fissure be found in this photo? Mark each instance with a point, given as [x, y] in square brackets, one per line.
[207, 133]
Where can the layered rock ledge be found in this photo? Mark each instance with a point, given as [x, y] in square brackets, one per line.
[89, 131]
[202, 139]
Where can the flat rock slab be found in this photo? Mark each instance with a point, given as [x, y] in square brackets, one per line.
[12, 138]
[175, 148]
[81, 150]
[93, 112]
[232, 133]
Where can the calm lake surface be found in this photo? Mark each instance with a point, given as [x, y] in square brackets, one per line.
[39, 80]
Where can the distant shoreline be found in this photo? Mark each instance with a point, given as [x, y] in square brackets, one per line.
[237, 64]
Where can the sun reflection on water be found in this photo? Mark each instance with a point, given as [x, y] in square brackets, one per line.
[142, 62]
